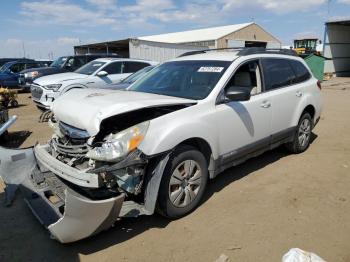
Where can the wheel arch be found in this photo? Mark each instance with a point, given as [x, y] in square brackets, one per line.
[70, 87]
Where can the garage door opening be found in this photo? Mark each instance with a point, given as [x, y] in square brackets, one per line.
[337, 48]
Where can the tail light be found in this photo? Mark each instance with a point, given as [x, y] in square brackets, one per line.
[319, 84]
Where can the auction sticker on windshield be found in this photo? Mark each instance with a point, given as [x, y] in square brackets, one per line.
[210, 69]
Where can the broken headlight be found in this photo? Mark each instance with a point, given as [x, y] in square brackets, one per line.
[120, 144]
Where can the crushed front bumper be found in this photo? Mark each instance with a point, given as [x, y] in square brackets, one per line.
[67, 214]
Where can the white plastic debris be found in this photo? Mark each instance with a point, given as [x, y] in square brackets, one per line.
[299, 255]
[222, 258]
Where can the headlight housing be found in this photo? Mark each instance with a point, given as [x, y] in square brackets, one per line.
[31, 74]
[117, 146]
[53, 87]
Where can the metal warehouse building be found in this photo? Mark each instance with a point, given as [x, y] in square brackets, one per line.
[337, 47]
[167, 46]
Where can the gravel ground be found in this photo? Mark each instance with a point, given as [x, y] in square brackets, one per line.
[256, 211]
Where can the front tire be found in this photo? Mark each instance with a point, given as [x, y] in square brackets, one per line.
[302, 136]
[183, 183]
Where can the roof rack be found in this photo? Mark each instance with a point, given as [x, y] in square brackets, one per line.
[243, 51]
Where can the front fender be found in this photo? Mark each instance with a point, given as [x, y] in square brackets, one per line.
[70, 87]
[160, 139]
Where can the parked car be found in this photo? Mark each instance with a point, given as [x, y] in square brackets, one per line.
[126, 82]
[6, 60]
[9, 73]
[96, 74]
[44, 62]
[61, 65]
[155, 146]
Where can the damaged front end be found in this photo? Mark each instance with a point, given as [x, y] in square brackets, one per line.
[75, 196]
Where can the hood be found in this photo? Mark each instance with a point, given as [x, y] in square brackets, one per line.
[45, 70]
[59, 78]
[120, 86]
[86, 108]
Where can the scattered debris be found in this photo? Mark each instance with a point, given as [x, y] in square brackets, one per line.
[299, 255]
[222, 258]
[234, 248]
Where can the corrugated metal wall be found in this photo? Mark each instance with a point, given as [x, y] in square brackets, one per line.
[337, 49]
[157, 51]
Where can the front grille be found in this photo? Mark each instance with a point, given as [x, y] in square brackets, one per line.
[36, 91]
[69, 149]
[73, 143]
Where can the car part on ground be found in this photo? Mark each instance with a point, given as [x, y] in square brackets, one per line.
[5, 122]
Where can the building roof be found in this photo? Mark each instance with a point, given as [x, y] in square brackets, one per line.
[206, 34]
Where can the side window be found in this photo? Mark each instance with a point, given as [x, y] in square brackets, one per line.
[69, 63]
[132, 67]
[31, 65]
[277, 73]
[16, 68]
[91, 58]
[301, 72]
[78, 62]
[113, 68]
[248, 76]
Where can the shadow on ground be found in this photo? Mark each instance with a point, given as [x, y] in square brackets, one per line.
[19, 229]
[14, 139]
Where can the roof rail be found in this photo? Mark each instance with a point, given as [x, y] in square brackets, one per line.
[243, 51]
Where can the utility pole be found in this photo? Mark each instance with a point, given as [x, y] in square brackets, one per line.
[24, 50]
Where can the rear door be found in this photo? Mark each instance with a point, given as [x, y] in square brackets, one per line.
[285, 92]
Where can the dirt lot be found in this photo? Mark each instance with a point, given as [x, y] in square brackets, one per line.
[254, 212]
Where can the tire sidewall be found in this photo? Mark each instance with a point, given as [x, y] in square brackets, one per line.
[179, 155]
[298, 147]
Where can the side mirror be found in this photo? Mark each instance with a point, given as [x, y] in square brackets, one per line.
[236, 93]
[102, 73]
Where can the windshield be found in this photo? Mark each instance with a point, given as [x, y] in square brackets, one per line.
[6, 67]
[186, 79]
[132, 78]
[59, 61]
[90, 68]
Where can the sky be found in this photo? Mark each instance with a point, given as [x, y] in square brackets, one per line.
[43, 28]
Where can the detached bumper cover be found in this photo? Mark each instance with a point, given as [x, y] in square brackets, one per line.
[68, 215]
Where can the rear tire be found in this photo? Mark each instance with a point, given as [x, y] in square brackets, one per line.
[302, 135]
[183, 183]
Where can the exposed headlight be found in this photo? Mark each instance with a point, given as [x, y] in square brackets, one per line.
[53, 87]
[119, 145]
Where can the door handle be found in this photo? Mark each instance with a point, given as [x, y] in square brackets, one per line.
[90, 83]
[299, 94]
[265, 104]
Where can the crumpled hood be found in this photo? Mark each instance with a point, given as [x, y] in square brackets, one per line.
[86, 108]
[59, 78]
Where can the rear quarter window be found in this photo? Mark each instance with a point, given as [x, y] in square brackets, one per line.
[132, 67]
[301, 72]
[277, 73]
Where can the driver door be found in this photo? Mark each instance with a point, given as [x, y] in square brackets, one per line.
[244, 126]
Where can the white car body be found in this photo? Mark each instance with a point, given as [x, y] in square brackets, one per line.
[226, 126]
[44, 96]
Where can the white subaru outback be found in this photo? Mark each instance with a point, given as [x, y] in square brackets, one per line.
[153, 147]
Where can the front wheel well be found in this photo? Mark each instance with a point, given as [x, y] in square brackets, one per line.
[309, 109]
[200, 144]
